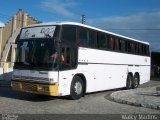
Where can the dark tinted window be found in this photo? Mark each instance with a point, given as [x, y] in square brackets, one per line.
[129, 46]
[69, 58]
[136, 48]
[120, 44]
[140, 49]
[82, 36]
[101, 40]
[69, 34]
[113, 43]
[92, 39]
[56, 33]
[145, 50]
[108, 41]
[148, 51]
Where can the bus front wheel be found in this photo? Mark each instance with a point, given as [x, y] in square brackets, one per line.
[77, 88]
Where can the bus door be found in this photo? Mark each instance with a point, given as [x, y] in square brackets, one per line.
[68, 64]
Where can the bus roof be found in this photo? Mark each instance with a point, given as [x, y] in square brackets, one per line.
[87, 26]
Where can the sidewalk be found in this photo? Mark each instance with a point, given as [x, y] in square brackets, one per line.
[145, 97]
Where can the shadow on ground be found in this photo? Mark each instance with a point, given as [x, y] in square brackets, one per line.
[9, 93]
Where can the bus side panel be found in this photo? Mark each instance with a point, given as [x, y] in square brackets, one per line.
[116, 76]
[104, 70]
[95, 77]
[109, 70]
[145, 74]
[65, 78]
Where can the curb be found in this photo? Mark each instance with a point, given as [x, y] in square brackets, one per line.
[151, 106]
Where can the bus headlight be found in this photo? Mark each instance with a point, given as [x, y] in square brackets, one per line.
[43, 88]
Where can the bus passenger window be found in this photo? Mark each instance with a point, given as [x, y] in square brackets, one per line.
[126, 46]
[69, 58]
[148, 52]
[113, 43]
[119, 44]
[69, 34]
[92, 39]
[144, 50]
[123, 45]
[108, 41]
[129, 47]
[140, 49]
[82, 36]
[101, 41]
[136, 48]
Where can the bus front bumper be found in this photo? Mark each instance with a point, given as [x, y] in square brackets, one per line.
[35, 88]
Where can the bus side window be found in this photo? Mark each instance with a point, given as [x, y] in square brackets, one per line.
[74, 57]
[114, 43]
[82, 36]
[129, 47]
[70, 58]
[69, 34]
[140, 49]
[126, 46]
[136, 48]
[148, 52]
[119, 44]
[92, 39]
[101, 41]
[123, 45]
[108, 41]
[144, 50]
[133, 48]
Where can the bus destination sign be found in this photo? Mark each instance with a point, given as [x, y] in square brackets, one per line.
[37, 32]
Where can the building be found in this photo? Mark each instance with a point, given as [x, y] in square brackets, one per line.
[8, 36]
[155, 64]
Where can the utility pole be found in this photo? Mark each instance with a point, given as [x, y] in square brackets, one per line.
[83, 19]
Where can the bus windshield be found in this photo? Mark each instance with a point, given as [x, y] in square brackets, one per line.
[35, 53]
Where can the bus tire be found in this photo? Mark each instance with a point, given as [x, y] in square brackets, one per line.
[135, 81]
[77, 88]
[129, 82]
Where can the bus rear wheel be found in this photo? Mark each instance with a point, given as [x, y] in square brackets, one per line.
[77, 88]
[135, 81]
[129, 82]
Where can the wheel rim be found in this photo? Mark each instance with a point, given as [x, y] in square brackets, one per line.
[78, 88]
[136, 82]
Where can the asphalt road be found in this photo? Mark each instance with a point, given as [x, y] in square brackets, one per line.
[13, 102]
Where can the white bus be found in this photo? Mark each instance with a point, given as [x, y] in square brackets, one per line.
[67, 58]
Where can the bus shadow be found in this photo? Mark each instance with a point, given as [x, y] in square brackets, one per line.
[7, 92]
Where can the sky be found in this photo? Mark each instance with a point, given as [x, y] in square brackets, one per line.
[139, 19]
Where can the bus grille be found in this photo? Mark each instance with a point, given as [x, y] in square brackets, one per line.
[29, 87]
